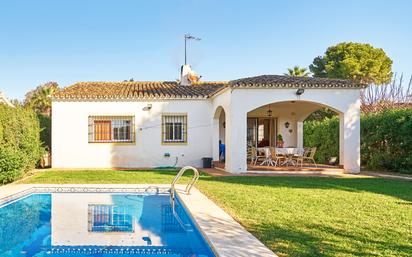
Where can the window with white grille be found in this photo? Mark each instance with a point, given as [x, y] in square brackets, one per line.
[174, 128]
[107, 129]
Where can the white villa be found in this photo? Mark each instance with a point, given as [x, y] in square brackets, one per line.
[159, 124]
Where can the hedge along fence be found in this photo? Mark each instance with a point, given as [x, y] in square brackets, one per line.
[386, 139]
[20, 145]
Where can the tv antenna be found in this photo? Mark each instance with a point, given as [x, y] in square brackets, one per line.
[189, 37]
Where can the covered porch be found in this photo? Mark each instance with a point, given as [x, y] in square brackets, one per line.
[276, 126]
[257, 118]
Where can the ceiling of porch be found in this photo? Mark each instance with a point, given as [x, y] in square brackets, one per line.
[291, 108]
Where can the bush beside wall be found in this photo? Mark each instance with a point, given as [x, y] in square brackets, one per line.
[45, 134]
[386, 140]
[20, 145]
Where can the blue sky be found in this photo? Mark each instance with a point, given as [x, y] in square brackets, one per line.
[86, 40]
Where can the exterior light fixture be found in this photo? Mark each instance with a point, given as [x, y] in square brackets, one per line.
[147, 108]
[287, 124]
[300, 91]
[269, 112]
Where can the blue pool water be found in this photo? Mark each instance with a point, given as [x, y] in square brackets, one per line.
[98, 224]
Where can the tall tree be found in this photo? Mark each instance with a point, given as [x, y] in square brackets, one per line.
[356, 61]
[297, 71]
[39, 99]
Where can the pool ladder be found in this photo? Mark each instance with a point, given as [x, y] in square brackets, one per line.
[187, 191]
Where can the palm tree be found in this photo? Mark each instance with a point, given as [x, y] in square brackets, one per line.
[40, 98]
[43, 100]
[297, 71]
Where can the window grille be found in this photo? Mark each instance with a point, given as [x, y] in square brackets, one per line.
[107, 129]
[110, 218]
[174, 129]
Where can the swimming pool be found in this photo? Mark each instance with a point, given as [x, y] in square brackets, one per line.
[98, 224]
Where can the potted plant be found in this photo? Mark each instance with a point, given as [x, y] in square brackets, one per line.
[279, 141]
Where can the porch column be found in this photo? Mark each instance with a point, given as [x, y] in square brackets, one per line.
[299, 134]
[236, 142]
[351, 139]
[341, 138]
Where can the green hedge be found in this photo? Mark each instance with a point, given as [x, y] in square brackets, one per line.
[386, 140]
[45, 134]
[324, 135]
[20, 145]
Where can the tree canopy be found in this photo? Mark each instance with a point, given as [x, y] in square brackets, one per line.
[297, 71]
[39, 99]
[356, 61]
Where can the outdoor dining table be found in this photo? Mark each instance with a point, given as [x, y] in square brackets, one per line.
[288, 152]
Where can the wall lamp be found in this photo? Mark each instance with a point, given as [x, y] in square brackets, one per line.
[147, 108]
[300, 91]
[287, 124]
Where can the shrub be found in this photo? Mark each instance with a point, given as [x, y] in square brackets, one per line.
[20, 145]
[324, 135]
[45, 134]
[386, 139]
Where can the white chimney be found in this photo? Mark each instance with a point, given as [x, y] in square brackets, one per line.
[187, 75]
[185, 70]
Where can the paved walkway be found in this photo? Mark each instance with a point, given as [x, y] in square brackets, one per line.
[216, 172]
[387, 175]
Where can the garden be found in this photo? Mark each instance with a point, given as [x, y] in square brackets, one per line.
[293, 216]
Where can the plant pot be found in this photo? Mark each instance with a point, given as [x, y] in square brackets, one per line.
[45, 161]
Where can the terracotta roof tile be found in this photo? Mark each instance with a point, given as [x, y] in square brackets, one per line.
[199, 90]
[138, 90]
[279, 81]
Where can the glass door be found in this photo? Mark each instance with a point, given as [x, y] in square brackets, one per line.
[252, 132]
[261, 132]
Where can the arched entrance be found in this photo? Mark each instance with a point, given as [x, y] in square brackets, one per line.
[219, 138]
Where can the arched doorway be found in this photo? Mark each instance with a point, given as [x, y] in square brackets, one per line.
[219, 138]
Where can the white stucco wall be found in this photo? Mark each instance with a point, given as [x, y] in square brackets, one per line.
[71, 149]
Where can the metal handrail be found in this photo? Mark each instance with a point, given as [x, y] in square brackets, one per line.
[180, 174]
[187, 190]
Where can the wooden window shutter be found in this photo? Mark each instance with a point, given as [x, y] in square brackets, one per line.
[102, 130]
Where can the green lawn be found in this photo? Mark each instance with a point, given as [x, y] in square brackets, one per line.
[296, 216]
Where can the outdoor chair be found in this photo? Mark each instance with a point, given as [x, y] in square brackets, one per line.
[308, 155]
[276, 158]
[254, 158]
